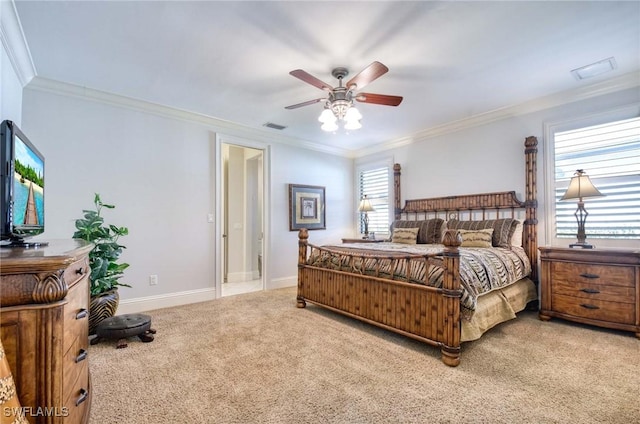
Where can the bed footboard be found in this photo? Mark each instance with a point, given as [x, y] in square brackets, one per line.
[425, 313]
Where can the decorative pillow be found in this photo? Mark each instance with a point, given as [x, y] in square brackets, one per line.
[503, 229]
[476, 238]
[430, 229]
[516, 239]
[405, 235]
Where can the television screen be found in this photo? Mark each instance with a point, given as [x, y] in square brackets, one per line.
[28, 187]
[22, 183]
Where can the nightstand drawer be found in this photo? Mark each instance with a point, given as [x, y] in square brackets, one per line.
[623, 313]
[595, 291]
[577, 273]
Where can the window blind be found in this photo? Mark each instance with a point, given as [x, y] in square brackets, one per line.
[610, 156]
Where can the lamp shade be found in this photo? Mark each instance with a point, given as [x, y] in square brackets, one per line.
[352, 125]
[365, 205]
[329, 126]
[327, 116]
[581, 187]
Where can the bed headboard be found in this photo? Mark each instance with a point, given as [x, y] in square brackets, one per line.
[485, 205]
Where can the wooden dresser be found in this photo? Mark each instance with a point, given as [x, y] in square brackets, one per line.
[44, 324]
[592, 286]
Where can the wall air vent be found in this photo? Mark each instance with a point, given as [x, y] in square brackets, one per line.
[274, 126]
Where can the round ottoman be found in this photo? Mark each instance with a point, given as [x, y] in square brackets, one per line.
[123, 326]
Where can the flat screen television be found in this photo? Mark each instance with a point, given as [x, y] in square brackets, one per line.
[22, 179]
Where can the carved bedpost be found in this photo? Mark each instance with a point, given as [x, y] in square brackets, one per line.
[531, 202]
[452, 293]
[397, 206]
[303, 236]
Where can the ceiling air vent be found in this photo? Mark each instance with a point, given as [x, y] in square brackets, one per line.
[594, 69]
[274, 126]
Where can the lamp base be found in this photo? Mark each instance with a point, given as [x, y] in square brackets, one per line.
[582, 245]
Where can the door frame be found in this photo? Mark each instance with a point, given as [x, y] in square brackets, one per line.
[266, 205]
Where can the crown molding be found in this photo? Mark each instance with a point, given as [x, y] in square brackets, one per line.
[623, 82]
[15, 43]
[216, 124]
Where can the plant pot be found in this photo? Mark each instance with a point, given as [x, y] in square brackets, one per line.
[101, 307]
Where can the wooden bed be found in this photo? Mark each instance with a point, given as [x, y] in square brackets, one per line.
[426, 313]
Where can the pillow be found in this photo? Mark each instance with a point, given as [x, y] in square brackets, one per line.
[476, 238]
[503, 229]
[405, 235]
[443, 230]
[429, 229]
[516, 239]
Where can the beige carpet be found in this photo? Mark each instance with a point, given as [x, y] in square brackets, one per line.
[256, 358]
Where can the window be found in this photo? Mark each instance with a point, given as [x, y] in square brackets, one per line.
[373, 181]
[609, 153]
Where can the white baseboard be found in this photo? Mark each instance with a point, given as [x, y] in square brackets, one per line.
[149, 303]
[280, 283]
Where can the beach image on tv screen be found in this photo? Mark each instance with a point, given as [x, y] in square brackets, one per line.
[28, 199]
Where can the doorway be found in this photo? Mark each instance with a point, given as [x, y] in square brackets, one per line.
[242, 213]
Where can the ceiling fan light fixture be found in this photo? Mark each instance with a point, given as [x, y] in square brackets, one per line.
[339, 100]
[340, 108]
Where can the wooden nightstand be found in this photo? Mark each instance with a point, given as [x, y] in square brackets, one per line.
[361, 240]
[591, 286]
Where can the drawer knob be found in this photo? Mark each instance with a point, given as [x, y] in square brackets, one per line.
[591, 276]
[82, 355]
[80, 271]
[588, 306]
[82, 313]
[590, 291]
[84, 394]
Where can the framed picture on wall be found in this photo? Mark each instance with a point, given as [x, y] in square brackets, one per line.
[306, 207]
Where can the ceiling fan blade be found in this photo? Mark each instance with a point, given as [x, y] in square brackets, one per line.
[368, 74]
[307, 103]
[379, 99]
[310, 79]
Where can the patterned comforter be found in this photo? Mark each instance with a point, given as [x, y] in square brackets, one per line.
[482, 270]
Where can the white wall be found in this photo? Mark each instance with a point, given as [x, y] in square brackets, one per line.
[158, 171]
[155, 170]
[10, 91]
[298, 166]
[489, 157]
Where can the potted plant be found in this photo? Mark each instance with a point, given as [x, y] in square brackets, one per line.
[106, 271]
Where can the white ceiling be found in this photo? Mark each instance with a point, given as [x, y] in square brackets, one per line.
[231, 60]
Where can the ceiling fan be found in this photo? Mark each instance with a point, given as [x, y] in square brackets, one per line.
[339, 100]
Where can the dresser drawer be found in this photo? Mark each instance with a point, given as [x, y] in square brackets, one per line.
[75, 360]
[78, 396]
[620, 294]
[76, 271]
[76, 313]
[580, 273]
[601, 310]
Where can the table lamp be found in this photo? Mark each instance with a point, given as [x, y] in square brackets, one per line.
[580, 188]
[365, 206]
